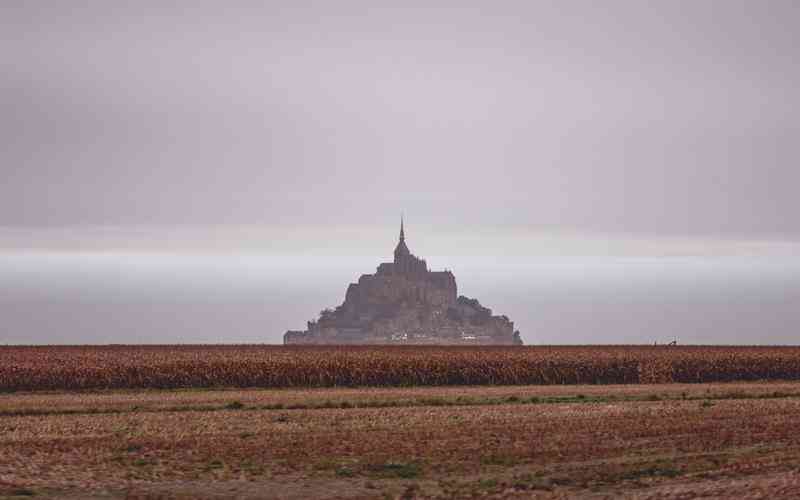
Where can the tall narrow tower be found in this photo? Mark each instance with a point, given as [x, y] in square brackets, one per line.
[401, 252]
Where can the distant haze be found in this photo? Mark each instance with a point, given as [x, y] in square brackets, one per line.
[621, 171]
[123, 298]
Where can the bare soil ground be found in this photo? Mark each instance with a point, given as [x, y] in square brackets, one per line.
[633, 441]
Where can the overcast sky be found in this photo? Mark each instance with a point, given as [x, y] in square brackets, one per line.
[289, 137]
[674, 119]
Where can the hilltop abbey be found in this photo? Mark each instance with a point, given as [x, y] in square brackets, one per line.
[405, 303]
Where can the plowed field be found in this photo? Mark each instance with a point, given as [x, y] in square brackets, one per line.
[631, 441]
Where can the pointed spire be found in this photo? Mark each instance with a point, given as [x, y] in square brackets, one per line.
[402, 232]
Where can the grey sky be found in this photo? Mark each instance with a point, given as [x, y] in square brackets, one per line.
[548, 152]
[673, 118]
[133, 298]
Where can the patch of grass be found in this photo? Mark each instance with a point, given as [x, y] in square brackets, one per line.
[251, 468]
[404, 470]
[345, 472]
[635, 472]
[529, 481]
[340, 467]
[432, 402]
[234, 405]
[325, 464]
[141, 462]
[488, 484]
[215, 464]
[717, 460]
[707, 404]
[580, 398]
[652, 471]
[535, 481]
[562, 481]
[22, 492]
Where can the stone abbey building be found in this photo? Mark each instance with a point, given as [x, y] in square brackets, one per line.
[405, 303]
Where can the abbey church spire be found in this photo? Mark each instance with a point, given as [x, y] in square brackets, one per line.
[401, 252]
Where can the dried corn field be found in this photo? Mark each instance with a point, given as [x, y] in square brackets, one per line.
[26, 368]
